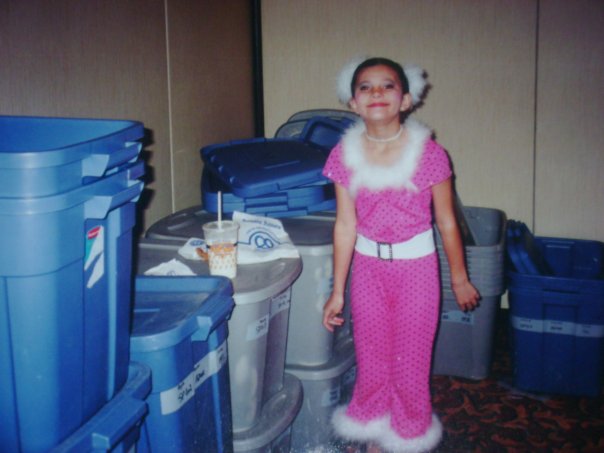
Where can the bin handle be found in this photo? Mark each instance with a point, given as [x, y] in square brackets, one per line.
[126, 416]
[98, 163]
[99, 206]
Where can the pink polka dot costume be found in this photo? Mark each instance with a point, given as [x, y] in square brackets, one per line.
[395, 303]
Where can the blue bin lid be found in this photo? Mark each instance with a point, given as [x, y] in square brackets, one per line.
[324, 133]
[169, 309]
[32, 142]
[522, 250]
[307, 198]
[257, 167]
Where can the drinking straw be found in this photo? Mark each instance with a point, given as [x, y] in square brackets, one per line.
[219, 210]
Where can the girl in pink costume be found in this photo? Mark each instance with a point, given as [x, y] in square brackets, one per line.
[389, 175]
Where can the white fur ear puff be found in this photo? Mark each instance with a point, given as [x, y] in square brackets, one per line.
[344, 79]
[417, 81]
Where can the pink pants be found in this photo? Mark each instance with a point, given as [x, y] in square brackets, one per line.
[395, 308]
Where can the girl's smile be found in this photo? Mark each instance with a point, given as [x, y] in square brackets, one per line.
[379, 100]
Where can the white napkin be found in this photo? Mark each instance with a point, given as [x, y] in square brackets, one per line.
[262, 239]
[189, 250]
[172, 268]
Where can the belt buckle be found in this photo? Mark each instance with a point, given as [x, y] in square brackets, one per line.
[379, 250]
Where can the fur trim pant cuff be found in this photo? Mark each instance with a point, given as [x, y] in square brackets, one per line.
[351, 429]
[379, 431]
[392, 442]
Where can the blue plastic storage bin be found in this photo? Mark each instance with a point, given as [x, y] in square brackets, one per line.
[557, 320]
[324, 133]
[180, 332]
[45, 156]
[261, 166]
[65, 296]
[285, 203]
[116, 427]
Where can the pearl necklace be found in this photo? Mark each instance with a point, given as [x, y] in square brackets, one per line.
[384, 140]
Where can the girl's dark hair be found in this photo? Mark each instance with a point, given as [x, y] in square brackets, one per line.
[380, 61]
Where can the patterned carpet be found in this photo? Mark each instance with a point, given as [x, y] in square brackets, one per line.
[491, 416]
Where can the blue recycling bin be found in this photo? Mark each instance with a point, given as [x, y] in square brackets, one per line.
[556, 294]
[180, 332]
[65, 299]
[42, 156]
[116, 427]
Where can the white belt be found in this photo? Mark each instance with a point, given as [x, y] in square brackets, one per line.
[418, 246]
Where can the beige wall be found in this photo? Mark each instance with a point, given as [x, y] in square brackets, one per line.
[569, 181]
[507, 126]
[182, 68]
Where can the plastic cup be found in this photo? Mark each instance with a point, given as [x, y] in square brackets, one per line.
[221, 239]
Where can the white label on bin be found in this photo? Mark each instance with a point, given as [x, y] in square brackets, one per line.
[281, 302]
[457, 316]
[331, 397]
[173, 399]
[258, 328]
[95, 247]
[557, 327]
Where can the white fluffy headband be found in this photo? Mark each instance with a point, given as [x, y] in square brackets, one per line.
[414, 74]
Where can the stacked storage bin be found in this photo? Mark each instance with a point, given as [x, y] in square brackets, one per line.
[264, 399]
[67, 209]
[464, 341]
[180, 331]
[324, 362]
[117, 426]
[556, 294]
[278, 177]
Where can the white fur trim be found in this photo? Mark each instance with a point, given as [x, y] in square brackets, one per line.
[344, 79]
[379, 431]
[417, 81]
[377, 177]
[350, 429]
[415, 76]
[393, 443]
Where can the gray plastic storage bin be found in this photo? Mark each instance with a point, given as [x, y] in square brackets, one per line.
[272, 432]
[325, 387]
[309, 343]
[464, 340]
[256, 342]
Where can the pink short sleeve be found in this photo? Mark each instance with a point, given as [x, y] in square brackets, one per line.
[434, 167]
[335, 169]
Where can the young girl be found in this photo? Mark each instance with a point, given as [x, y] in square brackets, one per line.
[389, 174]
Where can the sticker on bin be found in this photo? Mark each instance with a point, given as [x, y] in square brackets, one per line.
[258, 328]
[457, 316]
[558, 327]
[331, 397]
[95, 248]
[173, 399]
[281, 302]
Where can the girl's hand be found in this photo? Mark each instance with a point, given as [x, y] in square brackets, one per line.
[332, 312]
[466, 295]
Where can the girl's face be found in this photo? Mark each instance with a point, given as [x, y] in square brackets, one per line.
[378, 94]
